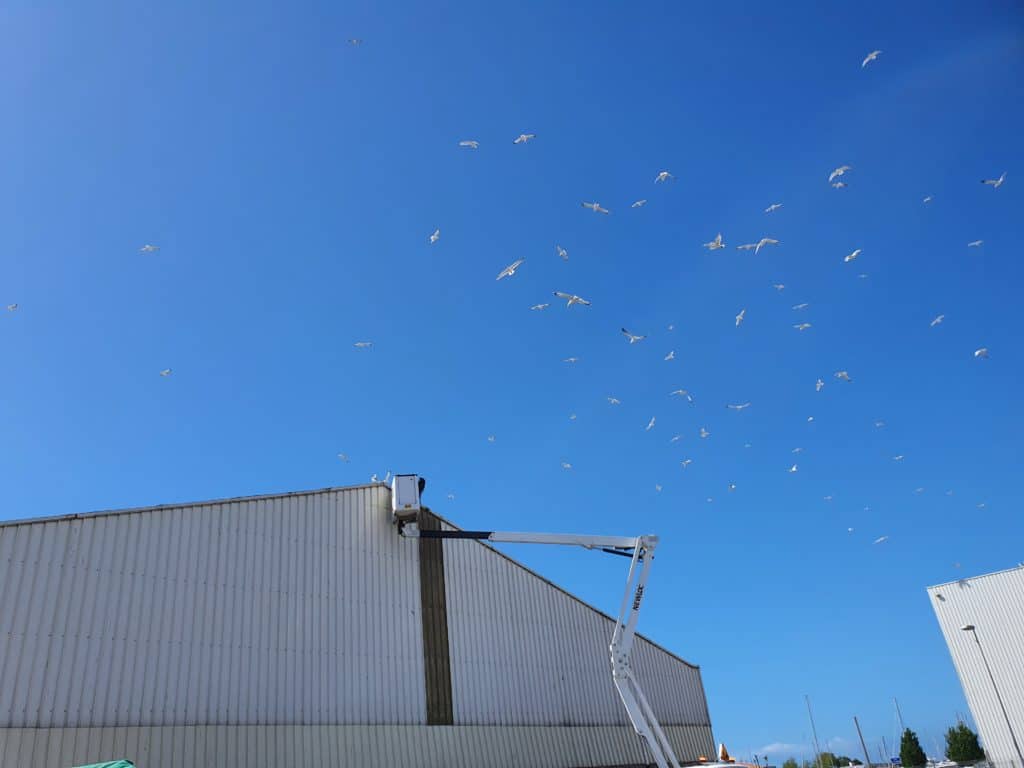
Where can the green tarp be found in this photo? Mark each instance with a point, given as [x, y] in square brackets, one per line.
[115, 764]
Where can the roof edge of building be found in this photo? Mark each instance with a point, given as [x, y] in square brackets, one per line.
[1019, 566]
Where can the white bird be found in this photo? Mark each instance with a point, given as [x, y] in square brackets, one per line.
[562, 252]
[839, 172]
[490, 438]
[363, 344]
[451, 497]
[740, 316]
[639, 203]
[827, 498]
[938, 319]
[802, 326]
[810, 419]
[819, 385]
[572, 417]
[746, 247]
[798, 307]
[778, 286]
[510, 269]
[686, 462]
[571, 299]
[715, 244]
[566, 465]
[470, 143]
[773, 207]
[571, 360]
[839, 184]
[849, 530]
[595, 207]
[870, 57]
[670, 356]
[763, 242]
[898, 457]
[663, 176]
[738, 407]
[671, 327]
[650, 425]
[12, 307]
[881, 539]
[633, 338]
[975, 243]
[676, 438]
[343, 457]
[657, 487]
[995, 183]
[863, 275]
[613, 401]
[851, 256]
[704, 433]
[165, 372]
[149, 249]
[538, 307]
[792, 469]
[797, 450]
[522, 138]
[981, 352]
[435, 236]
[842, 376]
[926, 199]
[355, 41]
[919, 490]
[682, 393]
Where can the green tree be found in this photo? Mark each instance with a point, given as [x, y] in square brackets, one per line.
[791, 763]
[962, 745]
[911, 754]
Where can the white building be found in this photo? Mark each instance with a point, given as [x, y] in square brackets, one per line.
[301, 629]
[982, 619]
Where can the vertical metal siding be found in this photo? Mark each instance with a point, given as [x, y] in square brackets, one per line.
[995, 605]
[291, 610]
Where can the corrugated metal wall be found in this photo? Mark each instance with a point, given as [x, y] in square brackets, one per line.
[994, 604]
[299, 609]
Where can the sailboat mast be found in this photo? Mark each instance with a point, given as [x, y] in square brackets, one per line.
[814, 731]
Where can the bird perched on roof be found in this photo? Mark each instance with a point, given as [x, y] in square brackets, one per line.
[740, 316]
[773, 207]
[595, 207]
[851, 256]
[149, 249]
[522, 138]
[435, 236]
[663, 176]
[562, 252]
[715, 244]
[470, 144]
[572, 299]
[633, 338]
[869, 58]
[839, 172]
[995, 183]
[763, 242]
[510, 269]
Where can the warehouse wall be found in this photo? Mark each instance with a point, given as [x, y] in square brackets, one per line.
[995, 605]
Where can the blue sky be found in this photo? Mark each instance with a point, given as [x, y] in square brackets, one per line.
[291, 182]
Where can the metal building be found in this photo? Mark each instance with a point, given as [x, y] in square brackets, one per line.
[300, 629]
[982, 619]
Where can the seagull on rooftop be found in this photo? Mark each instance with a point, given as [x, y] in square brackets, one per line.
[869, 58]
[470, 144]
[663, 176]
[773, 207]
[995, 183]
[802, 326]
[522, 138]
[510, 269]
[363, 344]
[633, 338]
[562, 252]
[595, 207]
[738, 407]
[538, 307]
[650, 425]
[981, 352]
[571, 299]
[740, 316]
[715, 244]
[165, 372]
[435, 236]
[763, 242]
[639, 203]
[938, 319]
[149, 249]
[839, 172]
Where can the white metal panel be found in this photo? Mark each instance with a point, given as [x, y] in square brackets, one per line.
[373, 746]
[994, 604]
[508, 629]
[299, 609]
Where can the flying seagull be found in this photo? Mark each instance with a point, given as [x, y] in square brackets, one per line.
[839, 172]
[682, 393]
[981, 352]
[363, 344]
[566, 465]
[355, 41]
[686, 462]
[571, 360]
[740, 316]
[562, 252]
[676, 438]
[869, 58]
[650, 425]
[763, 242]
[670, 356]
[792, 470]
[898, 457]
[839, 184]
[149, 249]
[633, 338]
[778, 286]
[715, 244]
[639, 203]
[842, 376]
[470, 143]
[538, 307]
[995, 183]
[798, 307]
[613, 401]
[938, 319]
[851, 256]
[732, 487]
[12, 307]
[802, 326]
[657, 487]
[522, 138]
[165, 372]
[819, 385]
[746, 247]
[881, 539]
[510, 269]
[738, 407]
[704, 433]
[773, 207]
[490, 438]
[663, 176]
[595, 207]
[926, 199]
[572, 299]
[975, 243]
[435, 236]
[343, 457]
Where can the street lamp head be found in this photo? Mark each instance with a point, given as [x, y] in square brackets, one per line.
[967, 627]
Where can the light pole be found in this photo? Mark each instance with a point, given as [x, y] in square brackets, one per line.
[1013, 737]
